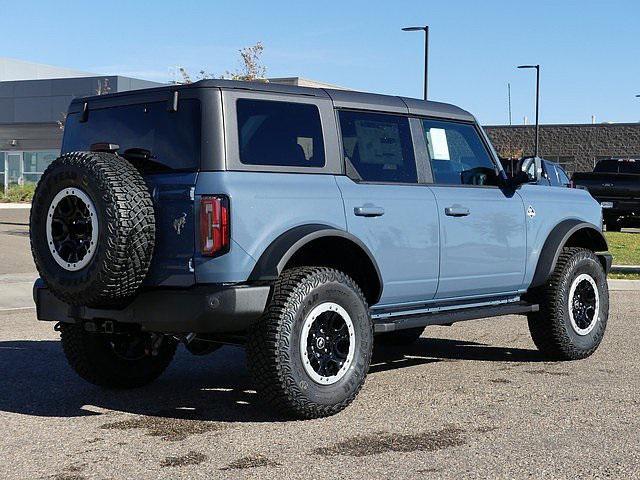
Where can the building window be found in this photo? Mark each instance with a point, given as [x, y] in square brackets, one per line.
[35, 163]
[2, 167]
[18, 168]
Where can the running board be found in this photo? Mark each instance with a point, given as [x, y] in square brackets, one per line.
[384, 324]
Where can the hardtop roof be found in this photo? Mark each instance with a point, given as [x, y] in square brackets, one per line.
[341, 98]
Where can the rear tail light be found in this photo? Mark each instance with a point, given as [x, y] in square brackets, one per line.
[214, 225]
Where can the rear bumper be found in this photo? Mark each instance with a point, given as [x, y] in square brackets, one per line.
[202, 309]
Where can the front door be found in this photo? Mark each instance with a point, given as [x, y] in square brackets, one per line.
[386, 208]
[13, 169]
[482, 228]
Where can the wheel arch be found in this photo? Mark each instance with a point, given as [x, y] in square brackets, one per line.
[321, 245]
[569, 233]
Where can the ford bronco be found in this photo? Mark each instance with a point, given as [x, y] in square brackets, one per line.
[301, 223]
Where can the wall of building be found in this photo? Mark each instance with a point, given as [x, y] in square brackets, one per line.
[578, 147]
[42, 101]
[30, 137]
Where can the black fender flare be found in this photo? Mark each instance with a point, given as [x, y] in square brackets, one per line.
[275, 257]
[558, 238]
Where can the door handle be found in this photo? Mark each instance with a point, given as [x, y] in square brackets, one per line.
[456, 211]
[368, 211]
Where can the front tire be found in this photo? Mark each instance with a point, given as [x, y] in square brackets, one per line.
[115, 360]
[310, 353]
[574, 307]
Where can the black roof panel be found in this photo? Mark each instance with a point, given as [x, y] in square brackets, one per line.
[341, 98]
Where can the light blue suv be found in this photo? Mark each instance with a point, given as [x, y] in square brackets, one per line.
[302, 223]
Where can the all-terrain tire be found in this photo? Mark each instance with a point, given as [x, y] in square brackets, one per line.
[407, 336]
[275, 355]
[552, 329]
[94, 358]
[126, 224]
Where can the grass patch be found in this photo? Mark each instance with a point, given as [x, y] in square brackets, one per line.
[18, 193]
[625, 247]
[624, 276]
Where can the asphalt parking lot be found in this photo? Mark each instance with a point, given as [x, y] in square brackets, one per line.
[470, 401]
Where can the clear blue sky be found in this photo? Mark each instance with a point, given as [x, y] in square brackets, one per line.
[589, 50]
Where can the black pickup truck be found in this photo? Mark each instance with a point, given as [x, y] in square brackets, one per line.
[616, 185]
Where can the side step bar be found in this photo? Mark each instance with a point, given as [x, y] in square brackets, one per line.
[382, 325]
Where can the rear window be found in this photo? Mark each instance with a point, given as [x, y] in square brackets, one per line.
[279, 134]
[610, 166]
[172, 138]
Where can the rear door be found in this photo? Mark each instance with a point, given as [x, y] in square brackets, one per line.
[482, 228]
[385, 206]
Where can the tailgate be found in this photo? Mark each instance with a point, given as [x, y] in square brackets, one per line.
[171, 264]
[610, 185]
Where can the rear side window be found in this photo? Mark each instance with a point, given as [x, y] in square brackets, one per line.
[171, 138]
[629, 166]
[458, 156]
[378, 146]
[279, 133]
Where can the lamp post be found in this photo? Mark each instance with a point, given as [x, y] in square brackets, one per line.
[537, 67]
[424, 29]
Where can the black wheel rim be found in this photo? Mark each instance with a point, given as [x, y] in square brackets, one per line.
[584, 304]
[71, 229]
[328, 344]
[129, 347]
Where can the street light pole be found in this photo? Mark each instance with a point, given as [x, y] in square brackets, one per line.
[425, 29]
[537, 67]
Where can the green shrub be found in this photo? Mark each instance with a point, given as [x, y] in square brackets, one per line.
[18, 193]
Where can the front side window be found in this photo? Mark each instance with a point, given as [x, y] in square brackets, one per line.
[378, 146]
[458, 156]
[279, 134]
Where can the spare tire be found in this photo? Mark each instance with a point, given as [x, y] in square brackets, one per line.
[92, 229]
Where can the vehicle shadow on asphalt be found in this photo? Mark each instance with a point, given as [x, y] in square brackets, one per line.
[36, 380]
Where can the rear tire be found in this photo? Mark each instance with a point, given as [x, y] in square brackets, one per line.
[117, 360]
[310, 353]
[574, 307]
[400, 337]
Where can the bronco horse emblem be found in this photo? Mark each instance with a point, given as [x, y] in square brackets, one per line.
[179, 223]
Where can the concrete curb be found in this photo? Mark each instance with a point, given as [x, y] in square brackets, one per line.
[625, 268]
[15, 206]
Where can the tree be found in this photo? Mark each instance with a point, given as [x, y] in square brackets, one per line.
[251, 68]
[103, 88]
